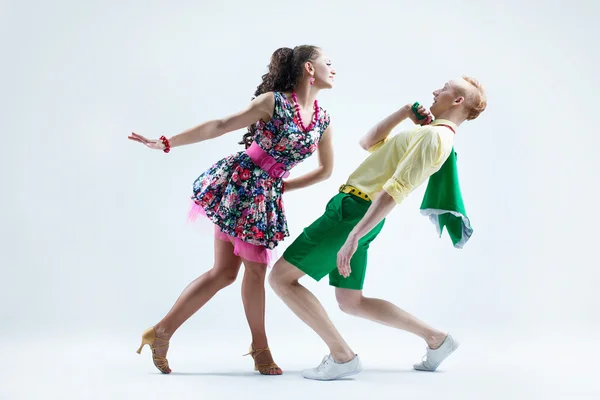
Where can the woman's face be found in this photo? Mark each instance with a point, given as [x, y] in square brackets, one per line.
[324, 74]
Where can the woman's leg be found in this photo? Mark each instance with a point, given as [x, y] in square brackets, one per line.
[253, 296]
[200, 291]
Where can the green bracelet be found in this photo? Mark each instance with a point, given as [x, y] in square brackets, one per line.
[414, 110]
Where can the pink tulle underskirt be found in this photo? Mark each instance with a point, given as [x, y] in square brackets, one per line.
[247, 251]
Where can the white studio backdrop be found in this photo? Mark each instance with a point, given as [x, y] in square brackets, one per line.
[94, 232]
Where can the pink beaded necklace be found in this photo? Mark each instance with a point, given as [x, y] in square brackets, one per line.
[315, 118]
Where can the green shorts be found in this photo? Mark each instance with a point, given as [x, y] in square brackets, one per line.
[314, 252]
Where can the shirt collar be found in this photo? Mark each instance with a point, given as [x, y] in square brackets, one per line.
[444, 122]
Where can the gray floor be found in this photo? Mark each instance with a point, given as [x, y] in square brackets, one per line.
[106, 367]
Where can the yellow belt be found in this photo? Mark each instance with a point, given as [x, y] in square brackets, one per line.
[354, 191]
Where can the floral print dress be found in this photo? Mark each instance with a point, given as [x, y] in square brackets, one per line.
[243, 200]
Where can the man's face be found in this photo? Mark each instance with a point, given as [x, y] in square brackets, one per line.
[446, 97]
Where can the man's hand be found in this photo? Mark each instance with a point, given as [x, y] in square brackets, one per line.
[423, 112]
[381, 207]
[345, 255]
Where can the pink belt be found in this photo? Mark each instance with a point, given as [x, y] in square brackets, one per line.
[266, 162]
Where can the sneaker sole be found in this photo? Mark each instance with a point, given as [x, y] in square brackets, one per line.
[337, 377]
[456, 345]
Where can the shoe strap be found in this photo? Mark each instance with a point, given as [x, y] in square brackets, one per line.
[261, 367]
[160, 361]
[255, 352]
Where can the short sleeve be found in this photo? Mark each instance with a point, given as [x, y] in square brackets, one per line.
[378, 145]
[419, 162]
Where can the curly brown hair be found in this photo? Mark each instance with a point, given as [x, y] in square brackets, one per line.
[284, 71]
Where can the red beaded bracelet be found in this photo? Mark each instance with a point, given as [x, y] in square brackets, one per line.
[166, 143]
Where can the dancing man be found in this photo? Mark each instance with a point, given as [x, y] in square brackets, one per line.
[336, 244]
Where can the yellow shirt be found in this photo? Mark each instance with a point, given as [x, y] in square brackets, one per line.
[400, 163]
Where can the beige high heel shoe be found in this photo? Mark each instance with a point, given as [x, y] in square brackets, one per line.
[149, 338]
[264, 369]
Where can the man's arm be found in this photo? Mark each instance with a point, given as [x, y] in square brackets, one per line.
[422, 159]
[381, 207]
[382, 130]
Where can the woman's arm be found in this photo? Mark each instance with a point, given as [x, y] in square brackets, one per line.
[323, 171]
[260, 108]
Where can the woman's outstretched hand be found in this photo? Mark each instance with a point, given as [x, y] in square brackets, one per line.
[153, 144]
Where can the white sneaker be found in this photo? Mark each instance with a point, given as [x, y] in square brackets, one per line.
[329, 370]
[434, 358]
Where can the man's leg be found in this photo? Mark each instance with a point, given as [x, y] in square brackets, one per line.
[351, 300]
[354, 303]
[314, 253]
[284, 281]
[440, 344]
